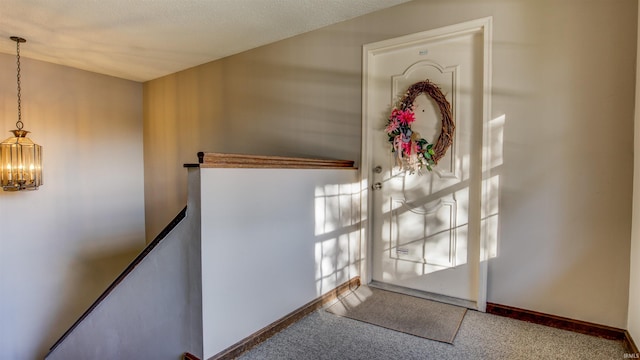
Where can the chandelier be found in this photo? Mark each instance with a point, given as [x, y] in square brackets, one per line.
[20, 158]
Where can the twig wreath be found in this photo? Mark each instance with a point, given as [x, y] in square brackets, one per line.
[414, 153]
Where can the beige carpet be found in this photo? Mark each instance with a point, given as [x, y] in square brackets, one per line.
[408, 314]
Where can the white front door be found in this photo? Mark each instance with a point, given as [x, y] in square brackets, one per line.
[425, 229]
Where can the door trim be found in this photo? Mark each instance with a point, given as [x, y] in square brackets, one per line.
[369, 51]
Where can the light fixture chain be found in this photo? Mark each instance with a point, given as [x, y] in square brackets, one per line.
[19, 124]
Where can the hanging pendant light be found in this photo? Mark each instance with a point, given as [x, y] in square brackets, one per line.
[20, 158]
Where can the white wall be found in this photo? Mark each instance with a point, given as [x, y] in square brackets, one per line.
[633, 322]
[61, 246]
[156, 311]
[272, 241]
[561, 85]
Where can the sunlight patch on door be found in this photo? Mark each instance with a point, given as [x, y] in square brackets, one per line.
[428, 236]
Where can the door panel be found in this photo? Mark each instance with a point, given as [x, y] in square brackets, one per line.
[422, 224]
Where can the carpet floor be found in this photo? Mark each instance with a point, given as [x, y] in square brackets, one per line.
[322, 335]
[412, 315]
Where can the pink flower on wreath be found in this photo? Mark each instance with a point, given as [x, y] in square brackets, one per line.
[415, 148]
[398, 144]
[406, 117]
[392, 126]
[406, 147]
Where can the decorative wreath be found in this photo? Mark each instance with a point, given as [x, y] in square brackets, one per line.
[414, 153]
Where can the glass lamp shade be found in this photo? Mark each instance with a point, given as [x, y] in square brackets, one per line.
[20, 163]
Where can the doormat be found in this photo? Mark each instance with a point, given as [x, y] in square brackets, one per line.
[408, 314]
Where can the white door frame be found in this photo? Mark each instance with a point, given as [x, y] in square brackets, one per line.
[369, 51]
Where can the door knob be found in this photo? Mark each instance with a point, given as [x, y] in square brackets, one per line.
[376, 186]
[377, 169]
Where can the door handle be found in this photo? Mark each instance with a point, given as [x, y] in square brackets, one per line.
[376, 186]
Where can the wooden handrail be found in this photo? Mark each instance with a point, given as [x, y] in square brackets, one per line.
[189, 356]
[222, 160]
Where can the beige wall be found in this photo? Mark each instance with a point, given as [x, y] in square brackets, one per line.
[562, 78]
[633, 324]
[61, 246]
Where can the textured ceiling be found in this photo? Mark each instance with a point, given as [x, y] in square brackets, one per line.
[145, 39]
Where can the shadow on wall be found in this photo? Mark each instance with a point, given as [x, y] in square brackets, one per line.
[90, 274]
[296, 110]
